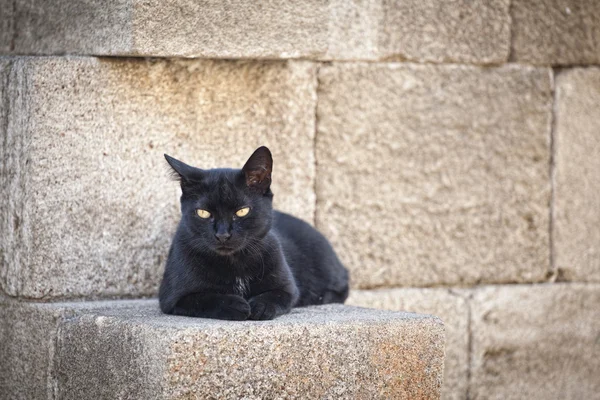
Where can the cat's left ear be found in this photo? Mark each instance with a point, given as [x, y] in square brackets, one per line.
[257, 169]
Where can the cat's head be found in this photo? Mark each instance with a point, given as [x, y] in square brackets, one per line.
[226, 210]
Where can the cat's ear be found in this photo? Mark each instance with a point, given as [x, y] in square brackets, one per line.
[257, 170]
[182, 172]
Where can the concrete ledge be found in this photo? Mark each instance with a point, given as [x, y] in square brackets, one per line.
[127, 349]
[443, 302]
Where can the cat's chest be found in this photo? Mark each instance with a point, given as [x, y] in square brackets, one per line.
[241, 286]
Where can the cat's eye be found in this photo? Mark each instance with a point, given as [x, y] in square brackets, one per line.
[242, 212]
[203, 213]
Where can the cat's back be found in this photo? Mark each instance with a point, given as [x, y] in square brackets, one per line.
[297, 233]
[293, 227]
[312, 259]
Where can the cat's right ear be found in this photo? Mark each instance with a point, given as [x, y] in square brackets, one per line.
[257, 169]
[182, 172]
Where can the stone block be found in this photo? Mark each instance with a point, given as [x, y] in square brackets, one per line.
[353, 30]
[555, 32]
[88, 209]
[131, 350]
[463, 31]
[450, 307]
[29, 335]
[27, 344]
[536, 342]
[209, 29]
[576, 225]
[431, 175]
[7, 26]
[429, 31]
[226, 29]
[72, 27]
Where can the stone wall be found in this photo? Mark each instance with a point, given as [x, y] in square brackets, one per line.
[449, 150]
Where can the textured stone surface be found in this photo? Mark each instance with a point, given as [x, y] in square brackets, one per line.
[446, 31]
[451, 308]
[7, 28]
[127, 349]
[80, 27]
[556, 32]
[214, 28]
[576, 227]
[28, 343]
[353, 32]
[435, 174]
[536, 342]
[226, 29]
[458, 31]
[87, 205]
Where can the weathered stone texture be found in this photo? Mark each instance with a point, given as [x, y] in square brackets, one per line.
[435, 174]
[189, 28]
[28, 343]
[576, 227]
[72, 27]
[225, 29]
[556, 32]
[353, 32]
[536, 342]
[87, 206]
[7, 25]
[128, 349]
[458, 31]
[446, 31]
[451, 308]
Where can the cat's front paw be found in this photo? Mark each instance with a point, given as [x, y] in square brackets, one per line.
[234, 308]
[262, 309]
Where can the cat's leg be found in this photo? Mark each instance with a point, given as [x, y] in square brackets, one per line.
[271, 304]
[218, 306]
[335, 296]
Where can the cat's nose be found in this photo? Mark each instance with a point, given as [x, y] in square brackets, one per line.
[223, 236]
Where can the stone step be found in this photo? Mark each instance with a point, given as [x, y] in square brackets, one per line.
[128, 349]
[416, 30]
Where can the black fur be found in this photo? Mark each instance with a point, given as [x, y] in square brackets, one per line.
[263, 264]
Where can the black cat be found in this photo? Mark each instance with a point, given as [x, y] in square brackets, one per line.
[234, 257]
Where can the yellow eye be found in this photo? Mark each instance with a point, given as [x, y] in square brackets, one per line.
[242, 212]
[203, 213]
